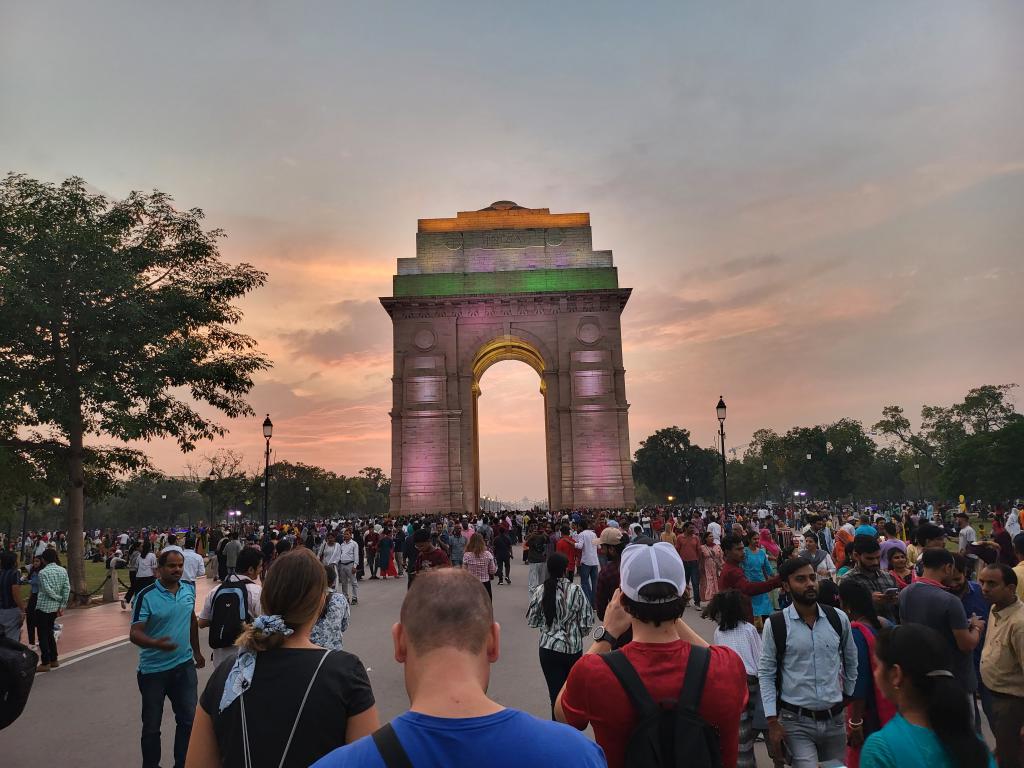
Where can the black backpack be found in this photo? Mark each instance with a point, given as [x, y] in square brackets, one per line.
[671, 733]
[779, 632]
[228, 612]
[17, 671]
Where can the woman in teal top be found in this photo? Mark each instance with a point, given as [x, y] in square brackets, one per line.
[756, 569]
[934, 727]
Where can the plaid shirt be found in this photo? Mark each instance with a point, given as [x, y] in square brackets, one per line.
[875, 581]
[54, 589]
[482, 567]
[573, 618]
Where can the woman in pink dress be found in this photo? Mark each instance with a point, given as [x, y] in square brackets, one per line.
[711, 559]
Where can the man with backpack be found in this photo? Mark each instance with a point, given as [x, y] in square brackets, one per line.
[665, 698]
[233, 604]
[807, 670]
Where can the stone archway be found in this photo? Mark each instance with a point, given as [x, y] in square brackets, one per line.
[507, 283]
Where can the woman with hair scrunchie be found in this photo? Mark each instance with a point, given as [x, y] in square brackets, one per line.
[284, 701]
[933, 727]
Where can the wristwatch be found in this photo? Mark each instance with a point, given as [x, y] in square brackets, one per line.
[602, 635]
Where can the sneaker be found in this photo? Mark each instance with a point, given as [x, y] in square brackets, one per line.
[355, 601]
[43, 668]
[54, 664]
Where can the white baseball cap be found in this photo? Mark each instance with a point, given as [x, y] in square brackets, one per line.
[656, 564]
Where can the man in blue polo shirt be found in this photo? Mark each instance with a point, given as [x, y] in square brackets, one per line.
[164, 627]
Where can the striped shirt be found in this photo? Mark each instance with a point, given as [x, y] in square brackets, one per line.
[54, 589]
[483, 567]
[573, 618]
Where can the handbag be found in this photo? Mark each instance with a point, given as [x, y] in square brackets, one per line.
[246, 752]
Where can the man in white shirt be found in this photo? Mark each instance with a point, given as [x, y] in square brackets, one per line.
[345, 559]
[172, 545]
[248, 567]
[715, 530]
[586, 540]
[966, 536]
[194, 567]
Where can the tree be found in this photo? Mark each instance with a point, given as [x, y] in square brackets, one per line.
[984, 409]
[665, 459]
[115, 319]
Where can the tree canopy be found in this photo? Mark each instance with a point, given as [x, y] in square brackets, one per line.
[116, 320]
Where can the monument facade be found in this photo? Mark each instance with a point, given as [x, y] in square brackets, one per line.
[507, 283]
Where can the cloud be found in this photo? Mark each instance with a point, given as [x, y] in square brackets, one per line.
[737, 267]
[364, 328]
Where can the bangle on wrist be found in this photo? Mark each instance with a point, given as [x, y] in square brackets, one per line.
[856, 724]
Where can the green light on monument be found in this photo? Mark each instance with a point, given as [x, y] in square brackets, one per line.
[498, 283]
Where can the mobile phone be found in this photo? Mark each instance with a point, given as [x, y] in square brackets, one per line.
[892, 592]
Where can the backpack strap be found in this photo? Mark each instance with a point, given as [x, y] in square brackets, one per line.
[779, 632]
[696, 672]
[631, 683]
[837, 624]
[391, 750]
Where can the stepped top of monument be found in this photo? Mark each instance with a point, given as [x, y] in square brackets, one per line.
[502, 249]
[504, 214]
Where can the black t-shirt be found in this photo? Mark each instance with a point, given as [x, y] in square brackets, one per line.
[341, 690]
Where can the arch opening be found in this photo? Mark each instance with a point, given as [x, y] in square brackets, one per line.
[505, 348]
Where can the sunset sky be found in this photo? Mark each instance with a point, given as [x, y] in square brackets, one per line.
[819, 206]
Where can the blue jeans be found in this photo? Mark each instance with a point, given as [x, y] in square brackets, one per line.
[692, 571]
[588, 580]
[812, 742]
[180, 685]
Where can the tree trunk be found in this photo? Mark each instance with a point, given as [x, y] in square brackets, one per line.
[76, 514]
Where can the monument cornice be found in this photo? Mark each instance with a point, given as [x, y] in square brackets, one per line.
[505, 305]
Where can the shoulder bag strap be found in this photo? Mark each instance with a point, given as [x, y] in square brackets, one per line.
[837, 625]
[302, 705]
[631, 683]
[391, 750]
[696, 672]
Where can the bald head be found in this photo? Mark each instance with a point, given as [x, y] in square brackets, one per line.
[447, 608]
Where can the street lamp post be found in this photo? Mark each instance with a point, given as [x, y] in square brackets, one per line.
[307, 502]
[268, 431]
[212, 477]
[689, 498]
[720, 409]
[24, 529]
[920, 492]
[764, 468]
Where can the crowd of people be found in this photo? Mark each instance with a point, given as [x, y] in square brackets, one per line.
[860, 637]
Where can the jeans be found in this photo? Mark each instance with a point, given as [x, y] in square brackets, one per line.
[47, 642]
[588, 580]
[814, 741]
[346, 579]
[180, 685]
[504, 568]
[556, 667]
[10, 623]
[692, 570]
[30, 619]
[535, 577]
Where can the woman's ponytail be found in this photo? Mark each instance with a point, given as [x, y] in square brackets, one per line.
[557, 564]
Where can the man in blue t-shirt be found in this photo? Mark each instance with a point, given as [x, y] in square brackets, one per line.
[447, 639]
[164, 627]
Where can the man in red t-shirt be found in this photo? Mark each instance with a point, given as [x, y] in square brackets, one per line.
[566, 545]
[733, 577]
[650, 601]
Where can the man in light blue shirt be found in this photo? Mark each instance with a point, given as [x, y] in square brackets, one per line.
[818, 671]
[164, 627]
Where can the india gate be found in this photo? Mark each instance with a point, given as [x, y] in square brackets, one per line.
[507, 283]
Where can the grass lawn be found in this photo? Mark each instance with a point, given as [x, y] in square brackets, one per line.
[95, 574]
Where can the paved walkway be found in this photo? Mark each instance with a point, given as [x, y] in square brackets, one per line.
[85, 629]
